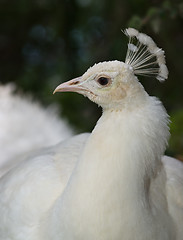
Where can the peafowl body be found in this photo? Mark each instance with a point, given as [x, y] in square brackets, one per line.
[114, 183]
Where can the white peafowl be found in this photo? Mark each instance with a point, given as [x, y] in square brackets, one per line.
[114, 184]
[26, 126]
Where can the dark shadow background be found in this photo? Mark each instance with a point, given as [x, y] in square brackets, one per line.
[46, 42]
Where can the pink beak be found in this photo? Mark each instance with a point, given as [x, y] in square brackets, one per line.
[71, 86]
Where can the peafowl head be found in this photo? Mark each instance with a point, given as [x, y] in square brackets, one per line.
[114, 84]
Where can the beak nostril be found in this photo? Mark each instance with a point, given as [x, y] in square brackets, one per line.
[70, 86]
[74, 83]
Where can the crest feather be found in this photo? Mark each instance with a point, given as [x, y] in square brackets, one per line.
[144, 56]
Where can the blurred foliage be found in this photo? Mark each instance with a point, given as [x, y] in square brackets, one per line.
[46, 42]
[176, 141]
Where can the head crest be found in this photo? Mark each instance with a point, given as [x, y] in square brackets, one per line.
[144, 56]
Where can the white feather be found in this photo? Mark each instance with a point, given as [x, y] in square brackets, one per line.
[132, 47]
[142, 59]
[26, 126]
[131, 32]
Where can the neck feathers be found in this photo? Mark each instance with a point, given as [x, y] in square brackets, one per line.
[143, 131]
[113, 175]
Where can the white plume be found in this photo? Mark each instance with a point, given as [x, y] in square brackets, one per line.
[26, 126]
[144, 56]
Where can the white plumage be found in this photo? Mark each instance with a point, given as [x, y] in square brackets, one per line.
[112, 184]
[26, 126]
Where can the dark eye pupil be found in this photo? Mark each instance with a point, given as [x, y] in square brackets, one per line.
[103, 81]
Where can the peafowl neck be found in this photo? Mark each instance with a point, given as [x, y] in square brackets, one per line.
[111, 181]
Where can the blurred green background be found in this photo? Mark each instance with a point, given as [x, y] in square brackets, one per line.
[46, 42]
